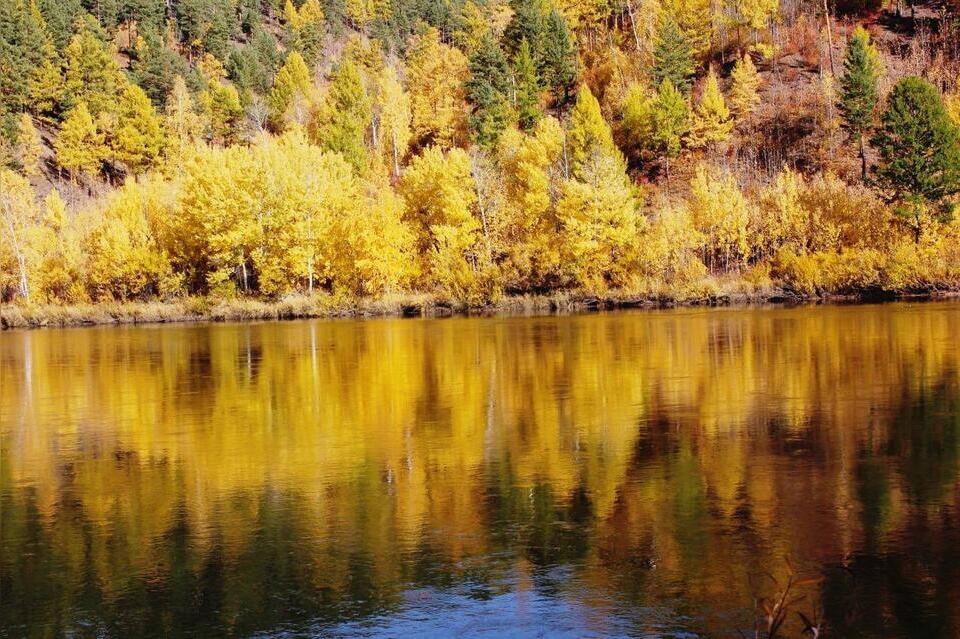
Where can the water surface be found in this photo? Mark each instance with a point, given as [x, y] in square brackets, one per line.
[630, 474]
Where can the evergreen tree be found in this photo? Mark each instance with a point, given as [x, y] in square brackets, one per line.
[711, 118]
[290, 96]
[527, 23]
[527, 87]
[344, 118]
[559, 66]
[45, 93]
[221, 102]
[919, 147]
[672, 56]
[589, 134]
[671, 120]
[92, 73]
[80, 145]
[487, 91]
[858, 89]
[137, 139]
[155, 70]
[22, 46]
[744, 86]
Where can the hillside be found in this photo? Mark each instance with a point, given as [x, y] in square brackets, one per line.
[157, 149]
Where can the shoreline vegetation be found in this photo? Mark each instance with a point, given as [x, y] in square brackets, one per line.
[411, 305]
[230, 160]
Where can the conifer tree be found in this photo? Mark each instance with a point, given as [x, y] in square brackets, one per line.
[858, 89]
[671, 120]
[919, 147]
[45, 91]
[744, 86]
[527, 87]
[711, 118]
[673, 56]
[29, 146]
[306, 29]
[589, 134]
[22, 46]
[80, 145]
[221, 103]
[527, 23]
[487, 90]
[137, 139]
[696, 21]
[344, 117]
[92, 74]
[559, 59]
[290, 96]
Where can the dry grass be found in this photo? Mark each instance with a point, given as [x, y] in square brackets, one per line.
[751, 287]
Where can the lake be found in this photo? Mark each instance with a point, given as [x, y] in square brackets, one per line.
[648, 474]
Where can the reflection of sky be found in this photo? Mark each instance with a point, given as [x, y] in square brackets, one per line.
[527, 613]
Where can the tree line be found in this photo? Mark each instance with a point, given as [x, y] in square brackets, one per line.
[224, 147]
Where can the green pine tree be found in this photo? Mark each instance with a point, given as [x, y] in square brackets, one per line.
[858, 89]
[527, 87]
[673, 56]
[671, 121]
[345, 116]
[919, 147]
[487, 92]
[527, 23]
[559, 65]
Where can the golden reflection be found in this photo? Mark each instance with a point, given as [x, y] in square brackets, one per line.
[662, 457]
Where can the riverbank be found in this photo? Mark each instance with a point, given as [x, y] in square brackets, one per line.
[202, 309]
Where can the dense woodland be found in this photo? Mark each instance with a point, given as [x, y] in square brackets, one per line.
[472, 149]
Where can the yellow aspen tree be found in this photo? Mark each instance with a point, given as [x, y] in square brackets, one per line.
[440, 198]
[18, 219]
[124, 259]
[599, 224]
[744, 88]
[80, 145]
[29, 147]
[525, 232]
[755, 14]
[711, 117]
[394, 117]
[137, 139]
[722, 214]
[435, 78]
[184, 127]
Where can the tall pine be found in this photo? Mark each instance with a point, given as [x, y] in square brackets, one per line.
[858, 89]
[673, 56]
[919, 147]
[487, 92]
[559, 59]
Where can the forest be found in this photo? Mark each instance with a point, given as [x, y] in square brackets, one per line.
[476, 150]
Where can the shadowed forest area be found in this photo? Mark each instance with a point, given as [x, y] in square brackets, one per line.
[474, 150]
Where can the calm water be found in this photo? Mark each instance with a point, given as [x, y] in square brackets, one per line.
[641, 474]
